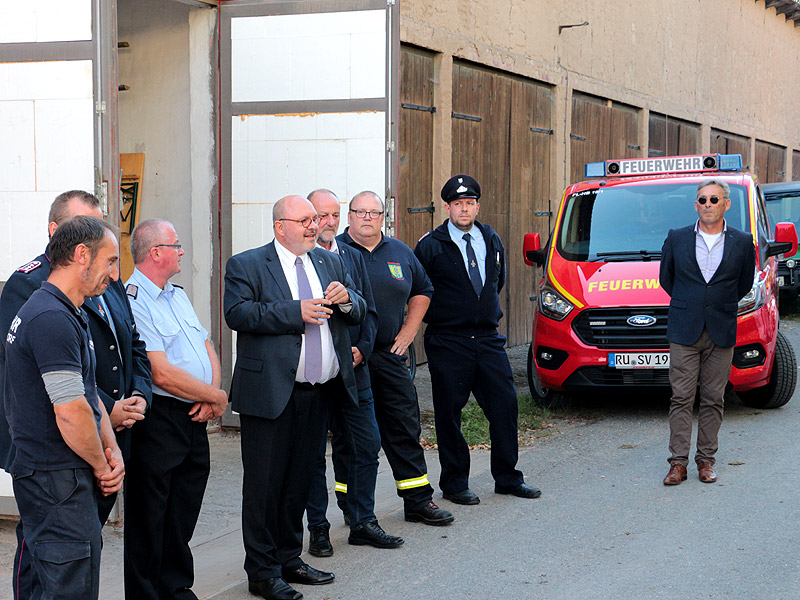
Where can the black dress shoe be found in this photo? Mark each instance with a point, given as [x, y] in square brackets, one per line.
[466, 497]
[523, 490]
[273, 589]
[430, 514]
[307, 575]
[371, 534]
[320, 544]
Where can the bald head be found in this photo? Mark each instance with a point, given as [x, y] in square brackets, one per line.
[294, 221]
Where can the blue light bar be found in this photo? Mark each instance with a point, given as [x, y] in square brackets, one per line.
[730, 162]
[597, 169]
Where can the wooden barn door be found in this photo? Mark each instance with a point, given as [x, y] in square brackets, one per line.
[501, 135]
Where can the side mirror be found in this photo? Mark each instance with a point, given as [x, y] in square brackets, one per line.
[785, 241]
[531, 250]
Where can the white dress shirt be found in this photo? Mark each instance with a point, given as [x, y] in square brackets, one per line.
[330, 364]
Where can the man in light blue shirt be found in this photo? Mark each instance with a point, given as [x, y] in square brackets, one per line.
[169, 463]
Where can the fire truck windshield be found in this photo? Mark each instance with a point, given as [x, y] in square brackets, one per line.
[631, 222]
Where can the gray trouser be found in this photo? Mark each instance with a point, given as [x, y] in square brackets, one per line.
[708, 365]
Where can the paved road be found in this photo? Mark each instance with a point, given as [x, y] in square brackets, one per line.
[605, 526]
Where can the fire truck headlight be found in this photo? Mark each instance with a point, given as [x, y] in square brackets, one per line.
[554, 305]
[755, 298]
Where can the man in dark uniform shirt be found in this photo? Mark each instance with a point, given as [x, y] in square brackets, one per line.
[466, 263]
[397, 280]
[122, 370]
[65, 445]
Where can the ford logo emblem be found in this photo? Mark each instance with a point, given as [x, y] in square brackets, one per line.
[641, 320]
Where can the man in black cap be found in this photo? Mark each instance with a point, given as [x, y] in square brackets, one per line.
[465, 261]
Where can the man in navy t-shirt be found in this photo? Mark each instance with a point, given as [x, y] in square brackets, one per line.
[64, 439]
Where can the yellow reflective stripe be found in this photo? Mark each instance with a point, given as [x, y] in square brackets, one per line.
[551, 275]
[340, 487]
[415, 482]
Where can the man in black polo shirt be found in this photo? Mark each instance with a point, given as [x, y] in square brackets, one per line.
[63, 436]
[397, 279]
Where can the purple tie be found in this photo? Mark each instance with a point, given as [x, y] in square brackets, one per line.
[313, 336]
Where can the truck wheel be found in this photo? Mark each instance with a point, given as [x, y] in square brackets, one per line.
[782, 379]
[541, 395]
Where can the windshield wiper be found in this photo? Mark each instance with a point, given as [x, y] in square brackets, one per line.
[627, 255]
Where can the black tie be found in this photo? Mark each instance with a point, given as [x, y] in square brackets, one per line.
[472, 266]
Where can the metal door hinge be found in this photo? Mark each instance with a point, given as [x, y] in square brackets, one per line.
[100, 107]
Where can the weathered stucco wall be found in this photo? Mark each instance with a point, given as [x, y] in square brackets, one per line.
[727, 64]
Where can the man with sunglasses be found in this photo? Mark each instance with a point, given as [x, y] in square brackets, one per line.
[706, 268]
[398, 280]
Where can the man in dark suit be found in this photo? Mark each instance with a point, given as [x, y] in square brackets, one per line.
[706, 268]
[287, 302]
[356, 439]
[122, 368]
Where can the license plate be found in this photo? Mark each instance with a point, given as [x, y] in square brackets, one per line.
[780, 280]
[638, 360]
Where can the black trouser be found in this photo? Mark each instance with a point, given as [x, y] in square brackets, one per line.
[397, 413]
[58, 510]
[166, 479]
[355, 446]
[459, 365]
[278, 459]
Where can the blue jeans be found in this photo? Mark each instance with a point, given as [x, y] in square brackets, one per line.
[356, 443]
[58, 510]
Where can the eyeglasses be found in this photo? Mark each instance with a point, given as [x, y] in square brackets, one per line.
[304, 222]
[712, 199]
[373, 214]
[176, 246]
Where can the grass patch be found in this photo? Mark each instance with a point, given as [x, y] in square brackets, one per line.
[532, 422]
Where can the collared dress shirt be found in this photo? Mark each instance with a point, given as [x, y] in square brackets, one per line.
[166, 321]
[708, 259]
[478, 245]
[330, 364]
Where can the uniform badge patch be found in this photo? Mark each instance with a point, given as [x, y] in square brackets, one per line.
[396, 270]
[31, 266]
[132, 290]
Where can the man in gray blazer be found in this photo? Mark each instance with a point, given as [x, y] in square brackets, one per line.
[706, 268]
[290, 304]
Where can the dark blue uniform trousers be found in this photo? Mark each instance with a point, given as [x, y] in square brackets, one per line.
[58, 510]
[355, 446]
[166, 478]
[397, 413]
[459, 365]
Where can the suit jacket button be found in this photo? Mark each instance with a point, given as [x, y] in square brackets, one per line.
[298, 344]
[293, 371]
[111, 347]
[114, 368]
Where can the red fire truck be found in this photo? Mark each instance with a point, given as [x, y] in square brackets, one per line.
[601, 316]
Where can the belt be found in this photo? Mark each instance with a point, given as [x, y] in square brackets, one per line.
[304, 385]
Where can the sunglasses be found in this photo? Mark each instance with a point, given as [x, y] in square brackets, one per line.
[712, 199]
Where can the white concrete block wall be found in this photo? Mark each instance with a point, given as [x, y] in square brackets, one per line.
[309, 57]
[46, 21]
[48, 147]
[278, 155]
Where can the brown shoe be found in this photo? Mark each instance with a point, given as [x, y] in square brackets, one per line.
[677, 473]
[707, 474]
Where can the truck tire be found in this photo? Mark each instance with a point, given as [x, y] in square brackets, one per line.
[543, 396]
[782, 379]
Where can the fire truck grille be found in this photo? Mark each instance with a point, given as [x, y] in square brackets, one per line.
[612, 328]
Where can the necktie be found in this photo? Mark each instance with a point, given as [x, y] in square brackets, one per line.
[472, 266]
[313, 367]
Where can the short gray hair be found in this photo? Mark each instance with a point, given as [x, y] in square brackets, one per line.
[145, 236]
[367, 193]
[322, 191]
[726, 189]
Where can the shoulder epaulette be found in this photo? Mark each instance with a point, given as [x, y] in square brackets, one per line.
[132, 290]
[424, 236]
[31, 266]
